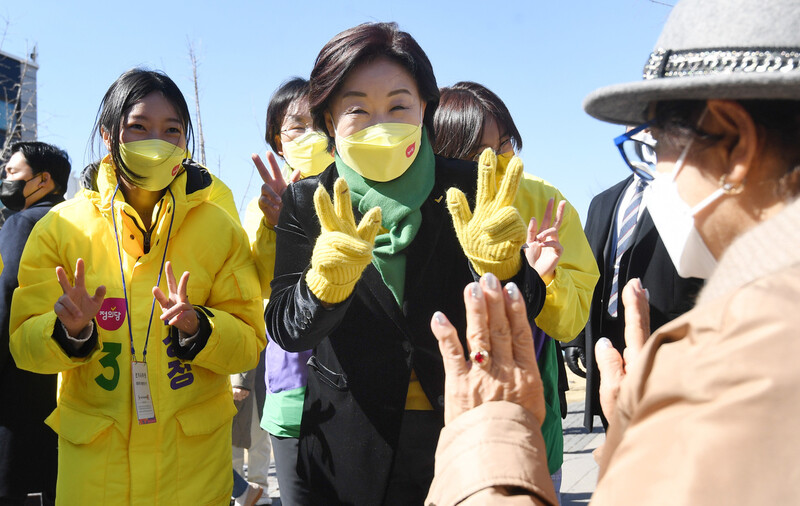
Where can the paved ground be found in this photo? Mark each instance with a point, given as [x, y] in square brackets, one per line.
[579, 470]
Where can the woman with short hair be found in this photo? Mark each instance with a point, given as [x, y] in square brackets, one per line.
[357, 279]
[469, 119]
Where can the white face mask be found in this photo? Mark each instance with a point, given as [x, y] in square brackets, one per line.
[674, 220]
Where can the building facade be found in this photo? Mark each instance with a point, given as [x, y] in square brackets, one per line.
[17, 100]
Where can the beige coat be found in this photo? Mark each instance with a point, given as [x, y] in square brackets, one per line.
[709, 414]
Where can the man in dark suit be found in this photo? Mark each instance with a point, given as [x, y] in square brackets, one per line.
[35, 180]
[644, 257]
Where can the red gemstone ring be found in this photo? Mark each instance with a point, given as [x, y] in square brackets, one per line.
[480, 357]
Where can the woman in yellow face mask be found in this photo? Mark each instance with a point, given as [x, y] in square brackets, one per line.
[469, 119]
[145, 406]
[291, 135]
[359, 276]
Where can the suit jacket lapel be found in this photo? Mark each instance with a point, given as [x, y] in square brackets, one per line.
[381, 295]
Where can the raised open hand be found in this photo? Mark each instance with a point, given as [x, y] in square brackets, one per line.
[498, 330]
[176, 308]
[614, 367]
[491, 237]
[342, 251]
[543, 247]
[274, 185]
[76, 308]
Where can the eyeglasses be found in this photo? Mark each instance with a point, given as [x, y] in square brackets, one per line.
[638, 149]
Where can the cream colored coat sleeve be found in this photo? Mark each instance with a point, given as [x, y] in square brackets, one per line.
[708, 415]
[493, 454]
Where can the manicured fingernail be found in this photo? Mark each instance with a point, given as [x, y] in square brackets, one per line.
[647, 294]
[512, 291]
[639, 284]
[439, 317]
[491, 280]
[603, 343]
[475, 290]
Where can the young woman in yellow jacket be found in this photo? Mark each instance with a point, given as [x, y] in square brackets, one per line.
[115, 311]
[469, 119]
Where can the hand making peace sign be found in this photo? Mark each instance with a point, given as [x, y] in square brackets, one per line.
[75, 308]
[176, 309]
[271, 191]
[543, 247]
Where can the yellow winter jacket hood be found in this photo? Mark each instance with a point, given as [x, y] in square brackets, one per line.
[105, 455]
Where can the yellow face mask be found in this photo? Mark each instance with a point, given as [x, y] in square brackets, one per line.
[151, 164]
[309, 153]
[381, 152]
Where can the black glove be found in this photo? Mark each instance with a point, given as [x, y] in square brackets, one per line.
[571, 356]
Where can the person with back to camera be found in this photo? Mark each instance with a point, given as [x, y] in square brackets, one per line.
[704, 411]
[290, 134]
[36, 177]
[165, 437]
[362, 295]
[626, 245]
[469, 119]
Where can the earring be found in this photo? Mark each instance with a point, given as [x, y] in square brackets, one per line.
[729, 188]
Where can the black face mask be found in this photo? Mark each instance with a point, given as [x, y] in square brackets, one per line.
[12, 193]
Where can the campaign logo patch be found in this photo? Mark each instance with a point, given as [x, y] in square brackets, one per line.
[112, 314]
[410, 149]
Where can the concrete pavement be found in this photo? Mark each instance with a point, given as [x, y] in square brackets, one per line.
[579, 472]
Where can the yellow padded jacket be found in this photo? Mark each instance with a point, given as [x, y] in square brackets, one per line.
[262, 244]
[105, 455]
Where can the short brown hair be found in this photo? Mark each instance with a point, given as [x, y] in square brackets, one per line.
[287, 93]
[362, 44]
[461, 116]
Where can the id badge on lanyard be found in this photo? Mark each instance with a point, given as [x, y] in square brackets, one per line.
[141, 393]
[145, 412]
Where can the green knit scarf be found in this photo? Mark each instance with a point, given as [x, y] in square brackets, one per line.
[399, 200]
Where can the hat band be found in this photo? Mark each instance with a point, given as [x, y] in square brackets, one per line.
[666, 63]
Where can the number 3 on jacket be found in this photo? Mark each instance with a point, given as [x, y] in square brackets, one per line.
[112, 351]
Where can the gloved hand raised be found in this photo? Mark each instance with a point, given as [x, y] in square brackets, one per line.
[342, 251]
[492, 236]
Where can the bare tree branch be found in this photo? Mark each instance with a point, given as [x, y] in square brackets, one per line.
[200, 138]
[5, 31]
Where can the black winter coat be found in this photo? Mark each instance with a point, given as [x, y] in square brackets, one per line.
[365, 347]
[28, 448]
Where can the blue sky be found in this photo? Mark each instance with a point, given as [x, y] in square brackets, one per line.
[541, 58]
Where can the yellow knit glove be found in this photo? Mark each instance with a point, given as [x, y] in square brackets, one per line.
[342, 251]
[492, 236]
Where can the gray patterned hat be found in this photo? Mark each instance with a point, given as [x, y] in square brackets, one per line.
[726, 49]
